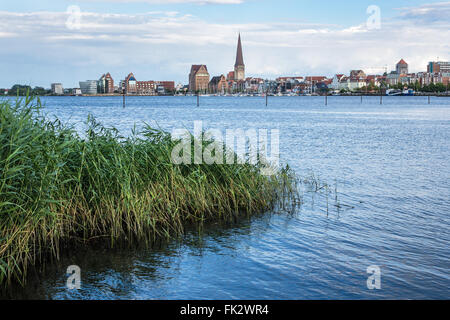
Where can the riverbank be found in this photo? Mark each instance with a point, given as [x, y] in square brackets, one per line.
[60, 190]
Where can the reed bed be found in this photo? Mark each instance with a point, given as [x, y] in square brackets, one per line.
[61, 189]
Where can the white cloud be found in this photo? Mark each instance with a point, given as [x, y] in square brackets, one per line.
[434, 12]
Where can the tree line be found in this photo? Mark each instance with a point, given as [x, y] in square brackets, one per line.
[432, 87]
[23, 90]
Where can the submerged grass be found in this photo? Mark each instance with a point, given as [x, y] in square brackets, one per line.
[58, 188]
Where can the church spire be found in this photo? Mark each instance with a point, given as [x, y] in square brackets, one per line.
[239, 67]
[239, 55]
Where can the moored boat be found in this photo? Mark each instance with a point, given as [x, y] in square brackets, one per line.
[393, 92]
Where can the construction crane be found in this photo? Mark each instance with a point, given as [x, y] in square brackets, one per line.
[374, 70]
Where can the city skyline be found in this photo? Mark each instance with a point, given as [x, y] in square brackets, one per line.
[163, 41]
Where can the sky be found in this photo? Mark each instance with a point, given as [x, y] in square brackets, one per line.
[67, 41]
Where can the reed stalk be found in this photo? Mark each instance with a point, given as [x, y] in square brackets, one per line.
[59, 188]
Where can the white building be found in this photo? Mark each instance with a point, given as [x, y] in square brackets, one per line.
[336, 83]
[57, 88]
[88, 87]
[342, 82]
[355, 83]
[392, 78]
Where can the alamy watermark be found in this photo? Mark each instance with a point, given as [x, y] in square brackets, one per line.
[374, 20]
[73, 22]
[236, 146]
[374, 280]
[74, 279]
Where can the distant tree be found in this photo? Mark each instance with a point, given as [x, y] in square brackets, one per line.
[439, 87]
[39, 91]
[23, 90]
[429, 88]
[20, 90]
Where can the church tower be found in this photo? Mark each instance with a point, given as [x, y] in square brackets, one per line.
[239, 67]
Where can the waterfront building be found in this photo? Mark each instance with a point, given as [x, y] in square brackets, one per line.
[357, 74]
[199, 78]
[402, 67]
[240, 85]
[357, 80]
[106, 84]
[436, 77]
[289, 84]
[121, 86]
[160, 89]
[311, 81]
[356, 83]
[446, 79]
[218, 84]
[232, 86]
[322, 86]
[374, 80]
[337, 81]
[254, 85]
[392, 78]
[130, 84]
[150, 87]
[269, 86]
[57, 88]
[314, 79]
[239, 66]
[439, 67]
[401, 70]
[167, 86]
[381, 79]
[328, 82]
[145, 88]
[352, 83]
[89, 87]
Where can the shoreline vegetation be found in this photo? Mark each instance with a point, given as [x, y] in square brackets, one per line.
[60, 190]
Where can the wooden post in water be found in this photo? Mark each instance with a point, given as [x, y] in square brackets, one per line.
[381, 96]
[429, 99]
[198, 99]
[326, 98]
[267, 97]
[123, 98]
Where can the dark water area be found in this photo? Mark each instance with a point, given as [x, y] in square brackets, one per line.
[390, 164]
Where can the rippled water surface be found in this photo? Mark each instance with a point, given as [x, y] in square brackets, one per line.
[391, 165]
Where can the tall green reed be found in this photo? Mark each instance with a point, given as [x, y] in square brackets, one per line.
[60, 189]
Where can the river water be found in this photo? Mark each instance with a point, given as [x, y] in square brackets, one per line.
[390, 164]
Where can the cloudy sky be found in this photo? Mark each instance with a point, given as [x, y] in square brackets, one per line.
[48, 41]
